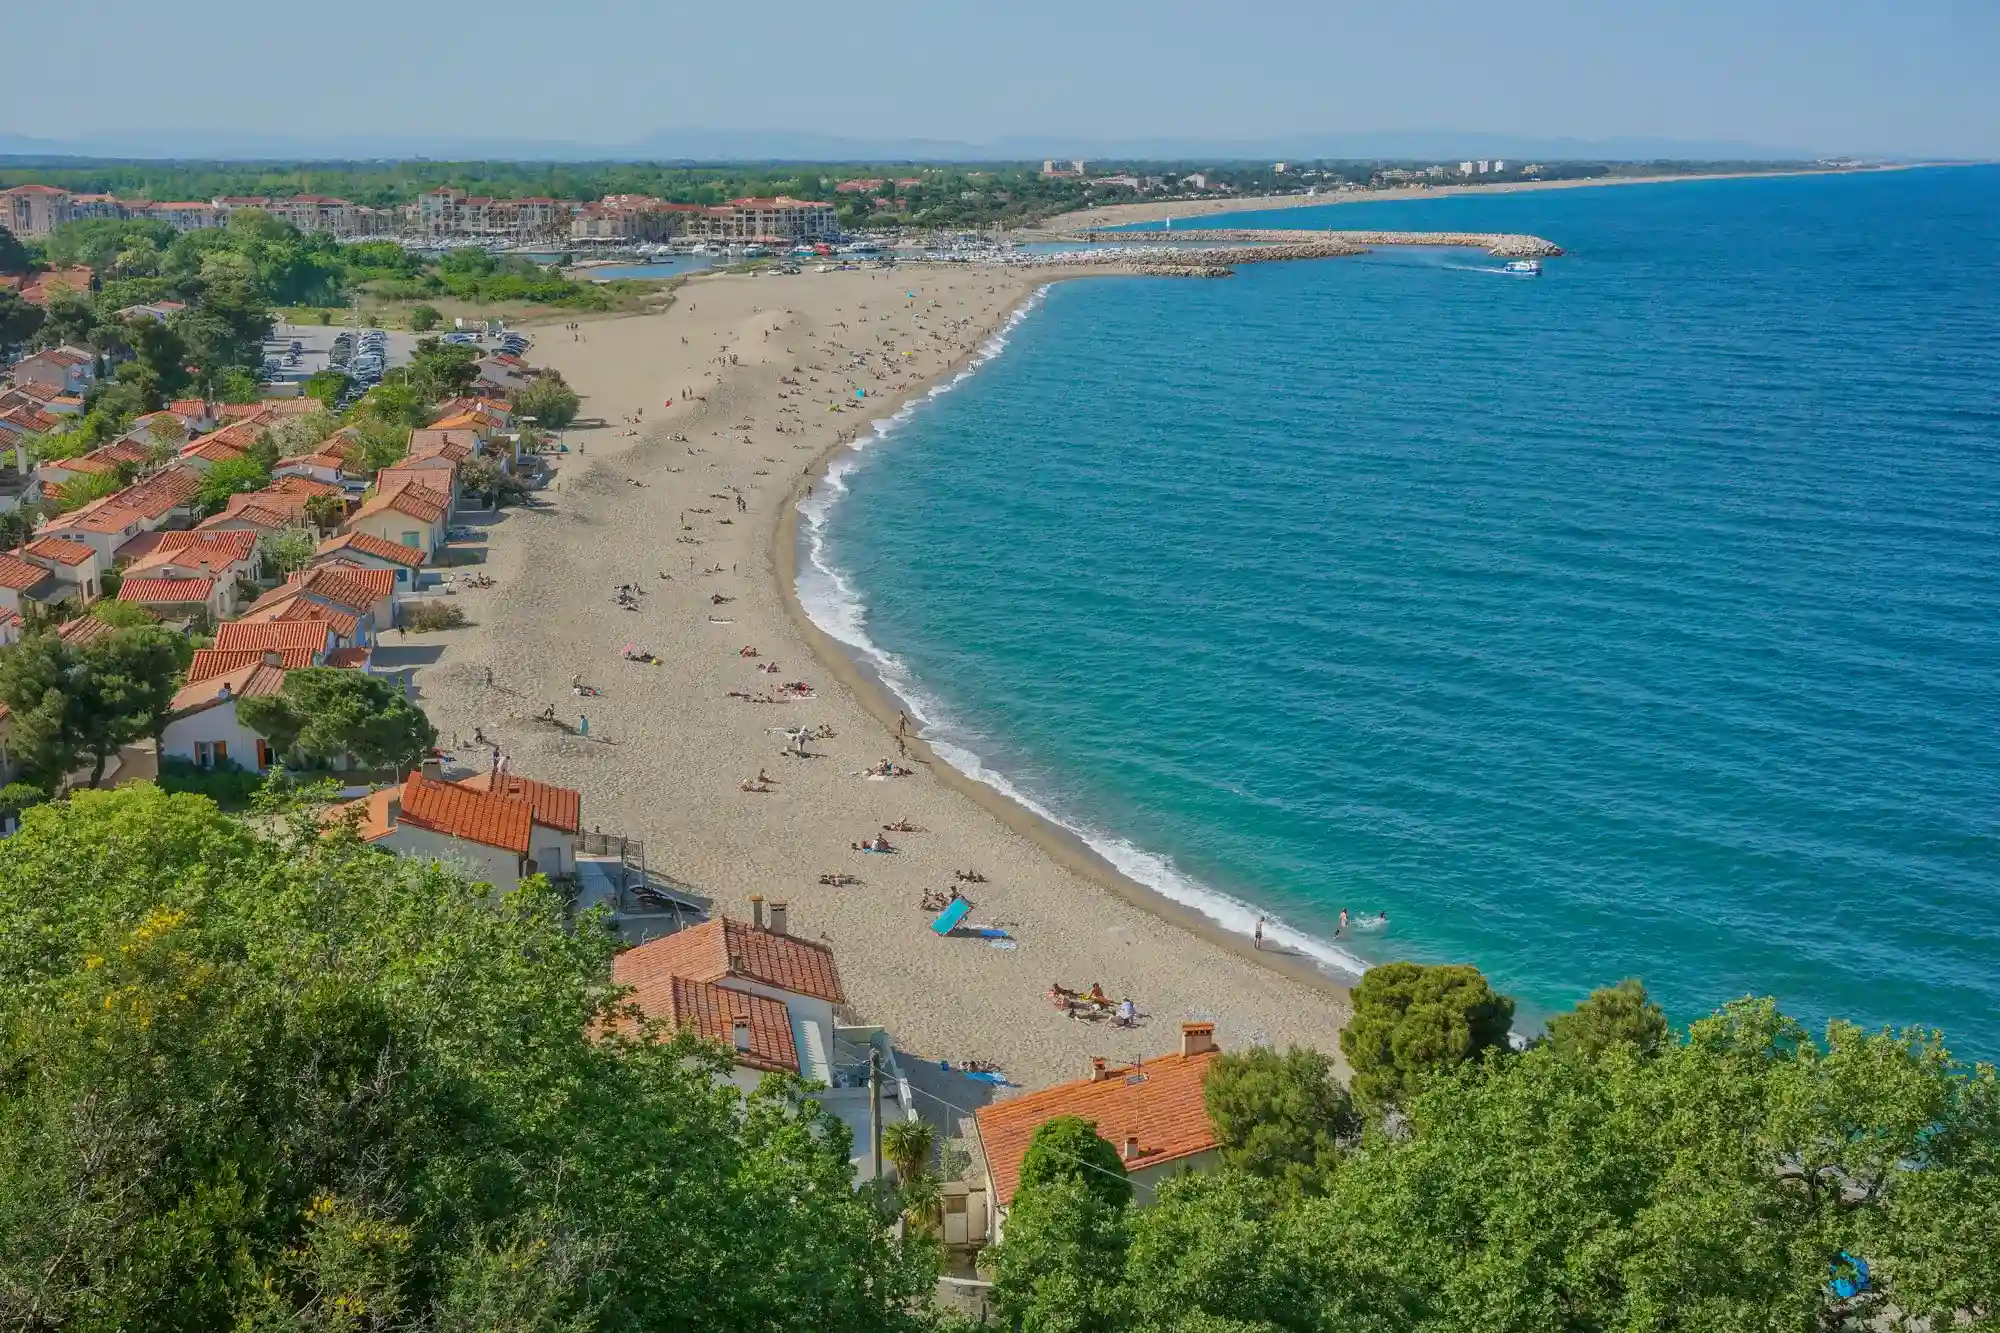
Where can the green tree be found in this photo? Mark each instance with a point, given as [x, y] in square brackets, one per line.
[1061, 1266]
[549, 400]
[70, 704]
[69, 317]
[120, 689]
[1280, 1118]
[232, 476]
[326, 715]
[19, 320]
[424, 318]
[1067, 1147]
[1411, 1020]
[13, 255]
[236, 385]
[908, 1145]
[277, 1080]
[84, 487]
[122, 615]
[327, 386]
[160, 350]
[288, 549]
[1215, 1252]
[1608, 1017]
[439, 370]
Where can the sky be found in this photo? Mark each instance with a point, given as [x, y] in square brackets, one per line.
[1914, 78]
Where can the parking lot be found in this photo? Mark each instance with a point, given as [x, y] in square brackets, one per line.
[296, 352]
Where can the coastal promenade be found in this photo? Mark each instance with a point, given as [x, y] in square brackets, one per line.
[1502, 245]
[745, 391]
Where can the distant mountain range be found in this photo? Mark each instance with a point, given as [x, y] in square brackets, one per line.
[721, 145]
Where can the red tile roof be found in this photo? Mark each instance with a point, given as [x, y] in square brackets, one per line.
[724, 948]
[352, 585]
[165, 592]
[711, 1012]
[1158, 1102]
[255, 679]
[285, 635]
[554, 807]
[412, 499]
[18, 575]
[209, 663]
[83, 630]
[459, 812]
[165, 490]
[59, 549]
[367, 543]
[347, 659]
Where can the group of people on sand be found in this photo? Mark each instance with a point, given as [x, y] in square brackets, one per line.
[1093, 1003]
[877, 843]
[885, 769]
[763, 782]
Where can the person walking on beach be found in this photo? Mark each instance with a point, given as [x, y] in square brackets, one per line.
[1343, 924]
[582, 725]
[1257, 940]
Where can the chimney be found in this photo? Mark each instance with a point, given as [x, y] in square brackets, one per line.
[739, 1033]
[1197, 1038]
[433, 770]
[757, 910]
[1131, 1147]
[778, 917]
[1098, 1072]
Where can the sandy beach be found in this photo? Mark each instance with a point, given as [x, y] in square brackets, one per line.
[1118, 215]
[706, 527]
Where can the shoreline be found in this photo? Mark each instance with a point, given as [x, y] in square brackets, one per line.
[699, 504]
[1117, 215]
[879, 698]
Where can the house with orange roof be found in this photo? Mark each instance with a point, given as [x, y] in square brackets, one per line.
[500, 837]
[367, 594]
[209, 663]
[228, 558]
[198, 414]
[372, 552]
[180, 599]
[313, 637]
[64, 369]
[492, 410]
[76, 280]
[105, 525]
[408, 515]
[1152, 1112]
[25, 583]
[73, 563]
[436, 472]
[166, 497]
[753, 962]
[202, 726]
[324, 466]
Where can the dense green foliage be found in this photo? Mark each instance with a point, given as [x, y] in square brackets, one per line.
[1280, 1117]
[1410, 1020]
[549, 400]
[73, 704]
[1068, 1148]
[1706, 1187]
[286, 1082]
[326, 715]
[1608, 1017]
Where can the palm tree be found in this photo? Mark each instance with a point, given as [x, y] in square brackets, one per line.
[908, 1144]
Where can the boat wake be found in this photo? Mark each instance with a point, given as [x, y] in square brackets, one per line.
[830, 600]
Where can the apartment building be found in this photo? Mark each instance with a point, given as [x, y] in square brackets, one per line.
[779, 219]
[454, 213]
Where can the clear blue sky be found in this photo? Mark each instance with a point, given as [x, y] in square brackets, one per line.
[1917, 76]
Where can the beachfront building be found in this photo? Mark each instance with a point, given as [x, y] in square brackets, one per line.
[630, 218]
[778, 219]
[1151, 1112]
[775, 1000]
[448, 213]
[410, 515]
[202, 726]
[505, 830]
[368, 552]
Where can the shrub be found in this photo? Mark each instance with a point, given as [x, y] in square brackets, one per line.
[420, 617]
[228, 784]
[424, 318]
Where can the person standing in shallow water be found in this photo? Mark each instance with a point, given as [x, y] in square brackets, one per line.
[1257, 940]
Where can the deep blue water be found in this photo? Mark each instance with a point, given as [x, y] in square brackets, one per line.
[1642, 619]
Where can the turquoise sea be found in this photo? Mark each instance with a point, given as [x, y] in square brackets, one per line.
[1642, 619]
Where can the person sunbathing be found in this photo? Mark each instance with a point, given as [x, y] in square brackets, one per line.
[901, 826]
[746, 651]
[1097, 995]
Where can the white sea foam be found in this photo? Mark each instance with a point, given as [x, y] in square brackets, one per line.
[830, 600]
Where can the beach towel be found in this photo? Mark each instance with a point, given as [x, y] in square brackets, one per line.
[996, 1079]
[949, 918]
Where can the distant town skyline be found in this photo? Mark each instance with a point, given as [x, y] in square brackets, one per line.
[1911, 79]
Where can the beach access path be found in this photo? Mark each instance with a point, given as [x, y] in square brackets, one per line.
[772, 364]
